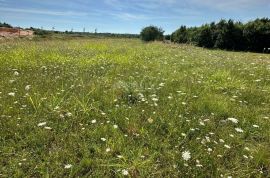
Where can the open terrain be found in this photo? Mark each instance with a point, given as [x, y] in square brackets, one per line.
[116, 108]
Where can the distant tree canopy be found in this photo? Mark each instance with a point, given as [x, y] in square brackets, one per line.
[5, 25]
[180, 35]
[230, 35]
[151, 33]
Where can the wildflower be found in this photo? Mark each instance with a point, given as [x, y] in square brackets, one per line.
[27, 87]
[69, 114]
[16, 73]
[115, 126]
[68, 166]
[94, 121]
[255, 126]
[103, 139]
[124, 172]
[11, 94]
[42, 124]
[221, 141]
[233, 120]
[150, 120]
[186, 155]
[161, 84]
[202, 123]
[239, 130]
[108, 150]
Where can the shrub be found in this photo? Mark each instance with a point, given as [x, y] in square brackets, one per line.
[151, 33]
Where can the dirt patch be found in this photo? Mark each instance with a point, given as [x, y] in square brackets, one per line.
[15, 32]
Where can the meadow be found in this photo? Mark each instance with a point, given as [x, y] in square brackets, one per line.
[124, 108]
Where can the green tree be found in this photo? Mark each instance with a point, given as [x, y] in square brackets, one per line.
[152, 33]
[180, 35]
[205, 37]
[257, 34]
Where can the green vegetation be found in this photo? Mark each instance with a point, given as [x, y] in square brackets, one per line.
[152, 33]
[5, 25]
[123, 108]
[230, 35]
[69, 34]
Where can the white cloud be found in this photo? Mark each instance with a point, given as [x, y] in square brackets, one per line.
[129, 16]
[43, 12]
[227, 5]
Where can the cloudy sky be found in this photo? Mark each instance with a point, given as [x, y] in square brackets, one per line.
[127, 16]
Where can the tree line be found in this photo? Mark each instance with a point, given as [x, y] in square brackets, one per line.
[5, 25]
[225, 34]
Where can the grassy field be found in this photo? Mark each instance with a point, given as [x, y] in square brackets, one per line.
[123, 108]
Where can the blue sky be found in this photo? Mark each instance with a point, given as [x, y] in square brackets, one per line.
[127, 16]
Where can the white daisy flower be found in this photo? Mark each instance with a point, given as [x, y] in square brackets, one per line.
[48, 128]
[239, 130]
[186, 155]
[233, 120]
[27, 87]
[68, 166]
[16, 73]
[94, 121]
[11, 94]
[42, 124]
[125, 172]
[221, 141]
[69, 114]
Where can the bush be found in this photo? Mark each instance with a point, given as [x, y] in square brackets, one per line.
[180, 35]
[152, 33]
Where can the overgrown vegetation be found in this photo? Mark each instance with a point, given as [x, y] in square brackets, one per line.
[120, 107]
[5, 25]
[152, 33]
[230, 35]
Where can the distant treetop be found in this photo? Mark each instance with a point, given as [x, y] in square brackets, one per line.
[5, 25]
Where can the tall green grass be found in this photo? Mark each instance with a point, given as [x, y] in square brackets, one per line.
[116, 108]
